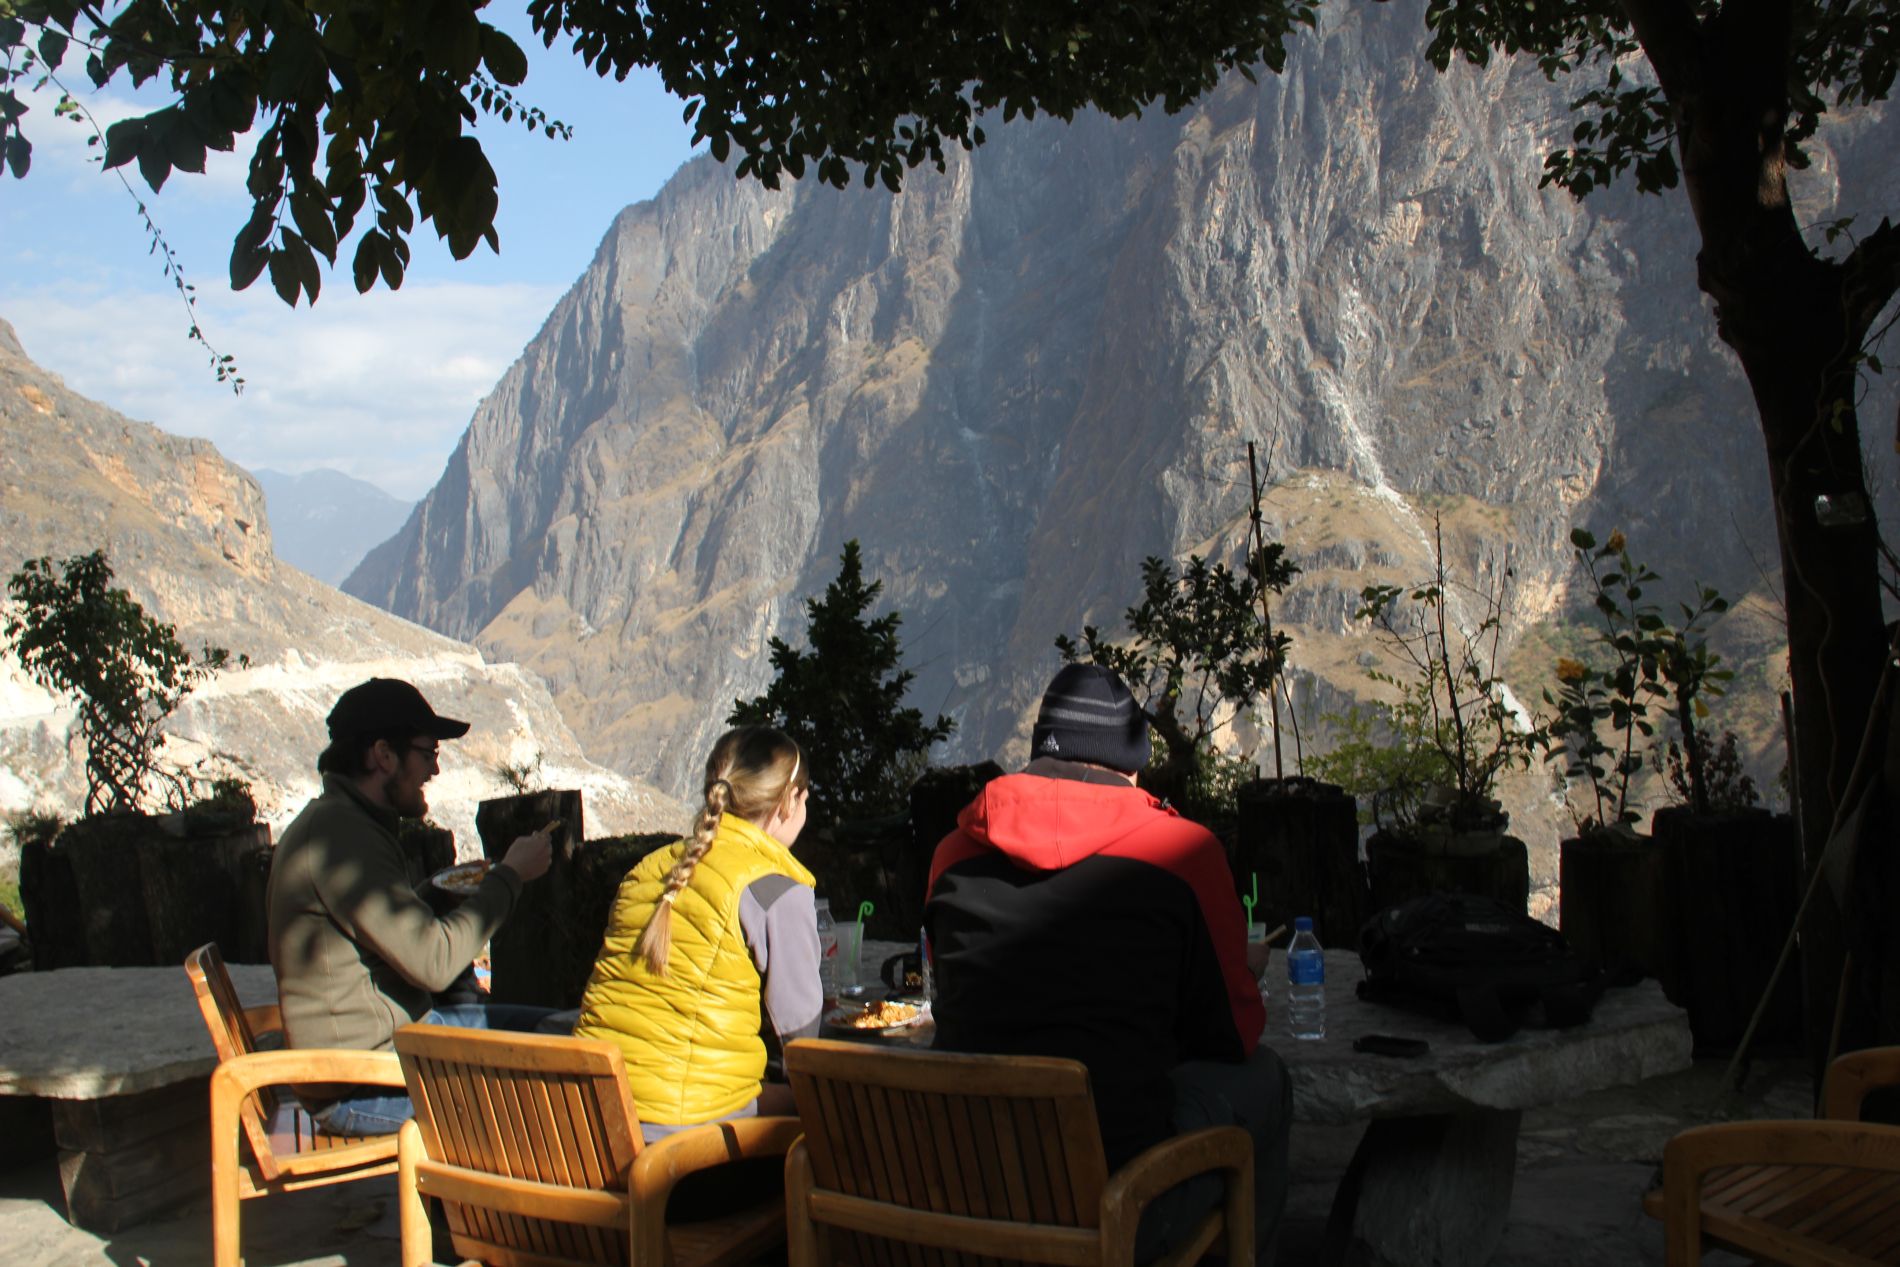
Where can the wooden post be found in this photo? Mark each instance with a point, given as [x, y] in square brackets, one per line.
[1301, 837]
[1614, 906]
[195, 889]
[51, 898]
[1733, 884]
[530, 951]
[935, 801]
[104, 854]
[596, 870]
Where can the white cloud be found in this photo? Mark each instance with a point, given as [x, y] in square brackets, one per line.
[380, 386]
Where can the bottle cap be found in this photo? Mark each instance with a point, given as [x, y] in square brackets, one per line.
[1303, 924]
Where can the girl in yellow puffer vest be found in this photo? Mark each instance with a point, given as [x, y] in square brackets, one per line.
[708, 939]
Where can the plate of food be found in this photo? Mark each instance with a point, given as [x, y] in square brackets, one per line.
[884, 1016]
[463, 879]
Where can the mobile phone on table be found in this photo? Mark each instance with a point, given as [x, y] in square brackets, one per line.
[1390, 1045]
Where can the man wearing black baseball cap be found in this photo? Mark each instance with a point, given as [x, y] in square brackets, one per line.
[1070, 876]
[356, 950]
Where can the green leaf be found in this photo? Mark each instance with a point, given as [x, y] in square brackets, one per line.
[284, 276]
[505, 60]
[52, 48]
[123, 140]
[363, 263]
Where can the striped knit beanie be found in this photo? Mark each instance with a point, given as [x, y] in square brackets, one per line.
[1088, 715]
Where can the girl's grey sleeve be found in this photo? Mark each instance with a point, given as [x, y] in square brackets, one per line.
[780, 919]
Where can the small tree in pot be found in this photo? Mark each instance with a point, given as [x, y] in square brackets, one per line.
[136, 889]
[1198, 651]
[1611, 882]
[1456, 722]
[77, 636]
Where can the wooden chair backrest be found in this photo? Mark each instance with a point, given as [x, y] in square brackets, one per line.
[232, 1036]
[1005, 1138]
[528, 1107]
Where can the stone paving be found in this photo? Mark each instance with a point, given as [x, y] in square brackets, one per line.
[1583, 1167]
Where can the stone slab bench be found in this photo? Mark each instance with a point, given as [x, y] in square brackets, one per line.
[123, 1058]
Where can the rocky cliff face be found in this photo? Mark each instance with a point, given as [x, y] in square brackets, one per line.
[186, 534]
[1018, 378]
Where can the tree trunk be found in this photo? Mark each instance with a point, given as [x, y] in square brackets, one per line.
[1796, 323]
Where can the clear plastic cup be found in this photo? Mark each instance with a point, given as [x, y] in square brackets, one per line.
[847, 968]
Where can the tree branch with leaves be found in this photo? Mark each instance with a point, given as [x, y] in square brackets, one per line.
[1197, 643]
[77, 636]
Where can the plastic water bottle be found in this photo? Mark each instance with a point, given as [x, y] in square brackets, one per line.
[1306, 982]
[827, 950]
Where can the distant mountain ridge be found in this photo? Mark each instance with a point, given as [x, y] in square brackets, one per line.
[324, 521]
[187, 535]
[1016, 379]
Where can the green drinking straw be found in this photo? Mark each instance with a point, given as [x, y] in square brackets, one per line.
[864, 909]
[1252, 899]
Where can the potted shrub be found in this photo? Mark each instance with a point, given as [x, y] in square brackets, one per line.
[1703, 901]
[1611, 881]
[1456, 732]
[89, 896]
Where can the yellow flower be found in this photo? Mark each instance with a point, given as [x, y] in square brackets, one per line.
[1569, 670]
[1616, 542]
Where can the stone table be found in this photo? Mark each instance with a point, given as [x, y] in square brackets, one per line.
[1431, 1180]
[124, 1057]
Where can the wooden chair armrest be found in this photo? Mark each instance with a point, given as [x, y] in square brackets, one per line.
[244, 1074]
[1852, 1076]
[663, 1164]
[1698, 1150]
[1172, 1161]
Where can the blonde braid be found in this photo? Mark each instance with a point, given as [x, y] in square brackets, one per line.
[656, 939]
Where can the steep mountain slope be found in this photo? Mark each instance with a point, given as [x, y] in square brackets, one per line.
[1016, 380]
[186, 534]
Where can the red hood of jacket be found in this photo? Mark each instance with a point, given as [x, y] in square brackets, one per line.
[1045, 824]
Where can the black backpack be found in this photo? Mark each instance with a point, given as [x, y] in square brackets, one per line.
[1475, 960]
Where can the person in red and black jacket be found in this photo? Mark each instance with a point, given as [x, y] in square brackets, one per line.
[1072, 914]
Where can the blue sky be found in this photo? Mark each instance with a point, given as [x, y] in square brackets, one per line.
[380, 386]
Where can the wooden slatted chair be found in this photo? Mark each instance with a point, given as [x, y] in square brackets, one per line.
[533, 1146]
[261, 1141]
[1801, 1193]
[927, 1159]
